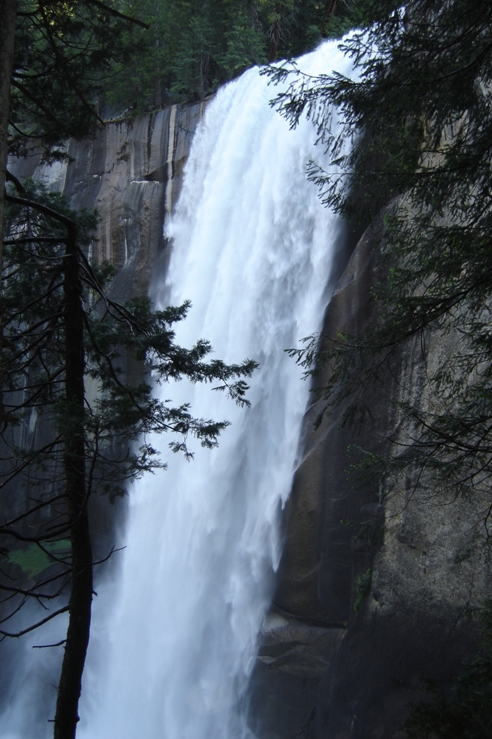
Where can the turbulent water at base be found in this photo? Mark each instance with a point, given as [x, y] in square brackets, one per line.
[175, 633]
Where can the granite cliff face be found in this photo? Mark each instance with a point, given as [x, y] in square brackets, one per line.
[323, 670]
[131, 173]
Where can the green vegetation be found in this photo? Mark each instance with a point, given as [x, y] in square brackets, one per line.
[421, 123]
[362, 586]
[34, 560]
[193, 46]
[64, 57]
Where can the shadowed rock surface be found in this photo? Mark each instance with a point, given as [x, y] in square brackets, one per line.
[429, 565]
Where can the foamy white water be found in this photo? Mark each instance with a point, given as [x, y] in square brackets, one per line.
[174, 637]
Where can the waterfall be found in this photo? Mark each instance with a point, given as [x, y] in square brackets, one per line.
[175, 631]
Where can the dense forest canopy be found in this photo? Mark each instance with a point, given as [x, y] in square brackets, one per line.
[191, 47]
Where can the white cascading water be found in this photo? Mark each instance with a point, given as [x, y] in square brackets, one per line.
[175, 635]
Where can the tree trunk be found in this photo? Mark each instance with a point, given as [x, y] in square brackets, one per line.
[80, 602]
[7, 38]
[330, 9]
[274, 36]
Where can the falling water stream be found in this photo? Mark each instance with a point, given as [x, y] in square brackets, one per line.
[175, 632]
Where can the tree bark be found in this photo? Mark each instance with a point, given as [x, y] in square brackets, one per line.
[80, 602]
[274, 36]
[7, 39]
[330, 9]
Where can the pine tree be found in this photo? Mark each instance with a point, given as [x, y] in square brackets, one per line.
[421, 123]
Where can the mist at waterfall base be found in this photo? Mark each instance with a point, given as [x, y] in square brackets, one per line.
[175, 631]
